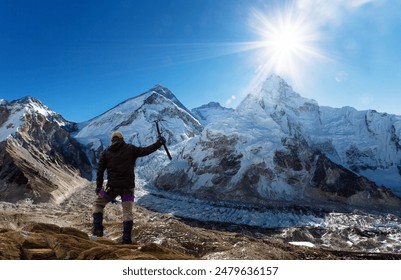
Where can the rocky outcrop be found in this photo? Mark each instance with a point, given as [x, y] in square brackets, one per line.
[47, 230]
[39, 241]
[49, 242]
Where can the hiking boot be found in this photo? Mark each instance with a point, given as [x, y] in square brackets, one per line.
[97, 229]
[127, 232]
[97, 232]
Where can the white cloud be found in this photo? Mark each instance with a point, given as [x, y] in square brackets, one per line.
[341, 77]
[358, 3]
[231, 100]
[330, 12]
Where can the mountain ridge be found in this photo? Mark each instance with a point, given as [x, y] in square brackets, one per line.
[269, 142]
[272, 179]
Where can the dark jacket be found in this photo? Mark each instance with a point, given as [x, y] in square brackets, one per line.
[119, 161]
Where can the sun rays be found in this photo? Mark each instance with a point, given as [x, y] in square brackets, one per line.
[288, 44]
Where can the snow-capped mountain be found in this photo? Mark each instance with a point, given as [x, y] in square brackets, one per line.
[276, 148]
[39, 160]
[12, 114]
[211, 112]
[267, 152]
[367, 142]
[135, 119]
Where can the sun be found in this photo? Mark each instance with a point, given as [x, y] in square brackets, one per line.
[288, 43]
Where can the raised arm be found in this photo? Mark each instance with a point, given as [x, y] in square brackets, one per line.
[144, 151]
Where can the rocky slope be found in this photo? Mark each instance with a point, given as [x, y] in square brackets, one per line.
[39, 160]
[51, 231]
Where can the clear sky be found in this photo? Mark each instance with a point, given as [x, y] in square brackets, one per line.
[82, 57]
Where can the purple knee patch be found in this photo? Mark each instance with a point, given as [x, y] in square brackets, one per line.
[127, 197]
[102, 193]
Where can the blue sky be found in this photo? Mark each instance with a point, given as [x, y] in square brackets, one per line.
[83, 57]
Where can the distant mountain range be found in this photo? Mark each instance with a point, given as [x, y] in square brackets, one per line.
[276, 148]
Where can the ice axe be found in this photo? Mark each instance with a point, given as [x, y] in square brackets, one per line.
[160, 135]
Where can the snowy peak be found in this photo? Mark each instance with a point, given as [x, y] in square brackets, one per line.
[211, 112]
[162, 90]
[276, 85]
[14, 114]
[33, 106]
[168, 94]
[274, 99]
[135, 119]
[136, 116]
[274, 91]
[40, 160]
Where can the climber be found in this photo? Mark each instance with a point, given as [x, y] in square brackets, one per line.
[119, 161]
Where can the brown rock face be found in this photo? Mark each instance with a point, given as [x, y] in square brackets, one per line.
[40, 160]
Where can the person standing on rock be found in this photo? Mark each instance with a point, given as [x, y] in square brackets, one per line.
[119, 161]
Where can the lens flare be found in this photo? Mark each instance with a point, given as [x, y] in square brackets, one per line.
[288, 43]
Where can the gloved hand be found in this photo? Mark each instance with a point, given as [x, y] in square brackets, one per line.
[161, 140]
[98, 189]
